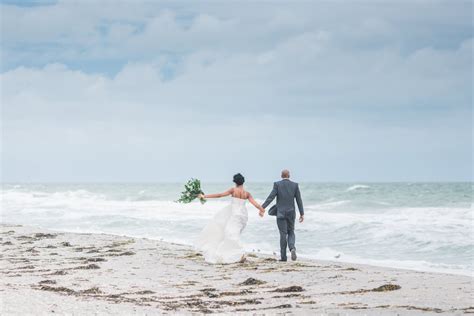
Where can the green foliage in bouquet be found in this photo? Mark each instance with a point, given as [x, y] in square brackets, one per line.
[191, 191]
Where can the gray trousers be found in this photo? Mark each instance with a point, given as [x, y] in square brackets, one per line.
[286, 226]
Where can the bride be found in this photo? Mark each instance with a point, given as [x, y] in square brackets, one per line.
[220, 239]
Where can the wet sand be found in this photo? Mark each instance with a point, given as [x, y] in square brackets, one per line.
[46, 272]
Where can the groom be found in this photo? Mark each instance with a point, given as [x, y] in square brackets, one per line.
[286, 191]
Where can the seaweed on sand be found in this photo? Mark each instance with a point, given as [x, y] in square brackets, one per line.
[47, 282]
[210, 292]
[382, 288]
[387, 287]
[59, 272]
[96, 259]
[92, 290]
[88, 267]
[125, 253]
[252, 281]
[60, 289]
[42, 235]
[294, 288]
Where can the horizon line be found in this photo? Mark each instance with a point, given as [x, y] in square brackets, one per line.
[225, 181]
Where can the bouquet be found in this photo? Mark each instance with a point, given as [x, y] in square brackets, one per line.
[191, 191]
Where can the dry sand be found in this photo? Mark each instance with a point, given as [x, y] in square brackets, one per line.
[46, 272]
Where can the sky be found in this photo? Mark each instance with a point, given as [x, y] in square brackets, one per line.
[160, 91]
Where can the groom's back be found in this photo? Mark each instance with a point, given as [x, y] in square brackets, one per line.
[286, 195]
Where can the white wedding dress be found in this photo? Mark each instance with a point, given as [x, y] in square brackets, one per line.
[219, 241]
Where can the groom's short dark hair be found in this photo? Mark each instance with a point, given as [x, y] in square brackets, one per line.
[239, 179]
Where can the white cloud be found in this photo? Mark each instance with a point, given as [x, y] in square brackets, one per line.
[90, 30]
[333, 88]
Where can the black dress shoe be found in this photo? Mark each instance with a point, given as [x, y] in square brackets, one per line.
[282, 260]
[293, 254]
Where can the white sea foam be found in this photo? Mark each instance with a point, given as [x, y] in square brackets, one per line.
[327, 205]
[357, 187]
[418, 265]
[361, 227]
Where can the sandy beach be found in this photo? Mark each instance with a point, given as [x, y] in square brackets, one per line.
[46, 272]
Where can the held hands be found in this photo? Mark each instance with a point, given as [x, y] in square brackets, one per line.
[261, 212]
[301, 218]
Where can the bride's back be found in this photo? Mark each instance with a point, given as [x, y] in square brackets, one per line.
[240, 193]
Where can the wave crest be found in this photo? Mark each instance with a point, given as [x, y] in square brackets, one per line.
[357, 187]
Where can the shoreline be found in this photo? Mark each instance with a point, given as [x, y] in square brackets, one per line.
[269, 253]
[46, 271]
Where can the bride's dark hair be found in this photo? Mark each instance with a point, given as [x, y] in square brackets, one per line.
[239, 179]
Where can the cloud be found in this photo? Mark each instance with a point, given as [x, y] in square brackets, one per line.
[69, 31]
[359, 92]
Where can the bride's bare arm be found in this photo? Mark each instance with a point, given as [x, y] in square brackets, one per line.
[258, 206]
[218, 195]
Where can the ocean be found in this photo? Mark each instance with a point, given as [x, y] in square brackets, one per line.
[419, 226]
